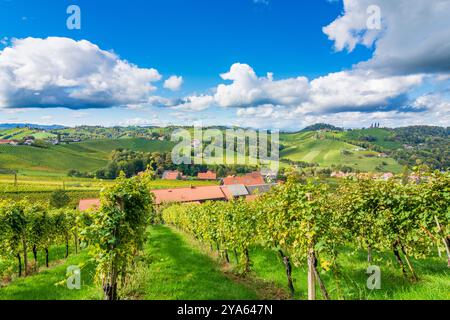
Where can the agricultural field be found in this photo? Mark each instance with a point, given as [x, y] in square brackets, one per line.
[83, 156]
[327, 151]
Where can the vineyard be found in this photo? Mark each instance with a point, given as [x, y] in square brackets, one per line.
[130, 244]
[310, 225]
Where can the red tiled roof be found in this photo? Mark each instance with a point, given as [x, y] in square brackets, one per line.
[251, 179]
[4, 141]
[87, 204]
[192, 194]
[172, 175]
[207, 175]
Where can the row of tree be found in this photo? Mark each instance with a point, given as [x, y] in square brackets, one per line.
[114, 234]
[309, 223]
[133, 162]
[33, 227]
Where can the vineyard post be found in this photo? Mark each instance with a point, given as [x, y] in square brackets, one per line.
[25, 255]
[369, 253]
[311, 275]
[19, 264]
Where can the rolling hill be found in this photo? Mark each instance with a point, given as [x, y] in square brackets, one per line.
[82, 156]
[326, 150]
[325, 146]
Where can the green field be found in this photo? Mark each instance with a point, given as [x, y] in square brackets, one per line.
[313, 147]
[83, 156]
[21, 133]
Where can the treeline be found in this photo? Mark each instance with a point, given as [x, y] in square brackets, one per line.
[133, 162]
[309, 223]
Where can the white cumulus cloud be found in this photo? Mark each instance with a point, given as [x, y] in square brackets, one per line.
[174, 83]
[247, 89]
[414, 35]
[61, 72]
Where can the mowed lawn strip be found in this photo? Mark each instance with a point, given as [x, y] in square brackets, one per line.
[178, 271]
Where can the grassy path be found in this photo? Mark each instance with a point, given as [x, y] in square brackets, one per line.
[180, 271]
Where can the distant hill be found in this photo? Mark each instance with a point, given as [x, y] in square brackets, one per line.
[327, 150]
[321, 145]
[321, 126]
[5, 126]
[83, 156]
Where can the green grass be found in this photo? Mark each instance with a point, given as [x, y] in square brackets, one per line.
[174, 268]
[177, 271]
[434, 282]
[50, 284]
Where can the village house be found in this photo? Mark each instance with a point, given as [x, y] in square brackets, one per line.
[89, 204]
[210, 175]
[387, 176]
[173, 175]
[250, 179]
[339, 175]
[10, 142]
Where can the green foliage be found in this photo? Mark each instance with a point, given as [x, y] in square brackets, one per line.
[311, 222]
[117, 232]
[59, 199]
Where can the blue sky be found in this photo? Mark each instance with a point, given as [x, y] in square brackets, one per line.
[199, 40]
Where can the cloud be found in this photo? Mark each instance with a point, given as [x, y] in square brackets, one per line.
[174, 83]
[61, 72]
[194, 103]
[356, 90]
[353, 90]
[249, 90]
[414, 38]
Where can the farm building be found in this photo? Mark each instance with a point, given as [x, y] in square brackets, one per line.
[11, 142]
[172, 175]
[207, 175]
[250, 179]
[196, 194]
[88, 204]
